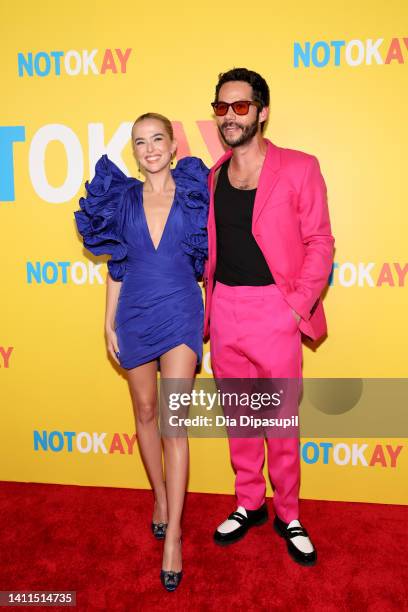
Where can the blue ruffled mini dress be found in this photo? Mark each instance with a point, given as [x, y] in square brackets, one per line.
[160, 303]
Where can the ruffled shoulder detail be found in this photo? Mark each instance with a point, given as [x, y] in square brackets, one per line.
[191, 176]
[100, 220]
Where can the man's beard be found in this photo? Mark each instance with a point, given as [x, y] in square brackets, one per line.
[248, 132]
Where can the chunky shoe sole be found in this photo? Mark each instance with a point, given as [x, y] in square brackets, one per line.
[241, 533]
[302, 561]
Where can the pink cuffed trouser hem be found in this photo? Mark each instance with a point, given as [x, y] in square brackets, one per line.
[254, 334]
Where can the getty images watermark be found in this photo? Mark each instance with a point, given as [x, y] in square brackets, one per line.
[238, 408]
[285, 408]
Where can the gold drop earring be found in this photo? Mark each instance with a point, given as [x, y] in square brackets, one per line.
[139, 173]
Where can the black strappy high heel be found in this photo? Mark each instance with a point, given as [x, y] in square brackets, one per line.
[169, 579]
[159, 530]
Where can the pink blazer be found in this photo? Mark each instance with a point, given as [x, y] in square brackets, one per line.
[291, 225]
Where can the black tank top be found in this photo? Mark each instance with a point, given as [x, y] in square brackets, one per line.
[239, 259]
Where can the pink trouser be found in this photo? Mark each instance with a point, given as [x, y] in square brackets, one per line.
[254, 334]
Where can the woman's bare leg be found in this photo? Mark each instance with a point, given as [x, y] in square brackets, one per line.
[178, 363]
[143, 390]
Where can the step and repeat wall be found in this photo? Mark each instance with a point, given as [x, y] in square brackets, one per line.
[75, 76]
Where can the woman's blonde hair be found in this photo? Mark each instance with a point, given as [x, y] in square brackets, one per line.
[166, 122]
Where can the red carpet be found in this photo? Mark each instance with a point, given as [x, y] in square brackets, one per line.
[97, 542]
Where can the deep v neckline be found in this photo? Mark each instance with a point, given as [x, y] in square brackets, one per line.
[146, 225]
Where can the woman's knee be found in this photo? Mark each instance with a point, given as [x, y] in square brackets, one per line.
[146, 412]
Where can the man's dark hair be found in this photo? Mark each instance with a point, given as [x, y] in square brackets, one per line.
[259, 85]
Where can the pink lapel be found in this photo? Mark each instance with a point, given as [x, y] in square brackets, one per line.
[213, 170]
[268, 178]
[211, 217]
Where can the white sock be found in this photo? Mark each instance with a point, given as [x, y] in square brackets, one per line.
[230, 524]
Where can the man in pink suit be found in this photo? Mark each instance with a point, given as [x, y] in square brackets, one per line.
[270, 256]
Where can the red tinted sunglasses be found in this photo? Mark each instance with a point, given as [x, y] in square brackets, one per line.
[241, 107]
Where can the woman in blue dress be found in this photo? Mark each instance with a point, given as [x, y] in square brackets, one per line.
[155, 232]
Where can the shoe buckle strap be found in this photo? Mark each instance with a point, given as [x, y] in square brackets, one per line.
[237, 516]
[297, 531]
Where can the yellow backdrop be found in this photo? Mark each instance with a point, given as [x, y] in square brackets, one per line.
[74, 76]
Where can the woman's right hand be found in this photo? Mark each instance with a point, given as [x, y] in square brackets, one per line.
[112, 343]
